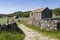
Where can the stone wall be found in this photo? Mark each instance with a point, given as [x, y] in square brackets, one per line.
[47, 13]
[10, 27]
[48, 23]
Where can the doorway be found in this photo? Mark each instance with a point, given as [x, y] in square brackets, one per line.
[58, 25]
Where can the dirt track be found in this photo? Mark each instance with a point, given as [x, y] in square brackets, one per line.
[33, 35]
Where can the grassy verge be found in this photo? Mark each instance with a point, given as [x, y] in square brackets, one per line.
[11, 36]
[52, 34]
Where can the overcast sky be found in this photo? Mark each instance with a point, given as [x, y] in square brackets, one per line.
[10, 6]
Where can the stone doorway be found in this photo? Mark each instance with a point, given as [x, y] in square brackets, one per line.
[58, 25]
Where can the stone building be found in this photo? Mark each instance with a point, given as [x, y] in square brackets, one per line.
[43, 18]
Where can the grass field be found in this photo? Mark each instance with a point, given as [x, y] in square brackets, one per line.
[12, 35]
[52, 34]
[3, 20]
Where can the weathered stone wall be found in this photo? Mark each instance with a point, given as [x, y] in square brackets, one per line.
[48, 23]
[47, 13]
[10, 27]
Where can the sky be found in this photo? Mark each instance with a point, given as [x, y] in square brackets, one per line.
[10, 6]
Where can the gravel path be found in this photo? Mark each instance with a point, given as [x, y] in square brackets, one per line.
[33, 35]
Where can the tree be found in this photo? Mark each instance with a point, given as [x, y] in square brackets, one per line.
[56, 12]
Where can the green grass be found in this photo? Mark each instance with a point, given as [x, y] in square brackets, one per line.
[11, 36]
[3, 20]
[54, 16]
[52, 34]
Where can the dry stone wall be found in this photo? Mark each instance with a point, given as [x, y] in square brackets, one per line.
[48, 24]
[10, 27]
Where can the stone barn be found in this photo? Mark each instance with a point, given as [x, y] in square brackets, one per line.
[43, 18]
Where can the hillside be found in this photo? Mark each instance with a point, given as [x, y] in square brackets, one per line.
[19, 13]
[56, 12]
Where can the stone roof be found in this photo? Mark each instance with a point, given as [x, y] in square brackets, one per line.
[38, 10]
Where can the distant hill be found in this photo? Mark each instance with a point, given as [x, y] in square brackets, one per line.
[3, 15]
[56, 11]
[19, 13]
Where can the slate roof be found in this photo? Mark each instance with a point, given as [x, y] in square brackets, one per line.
[39, 10]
